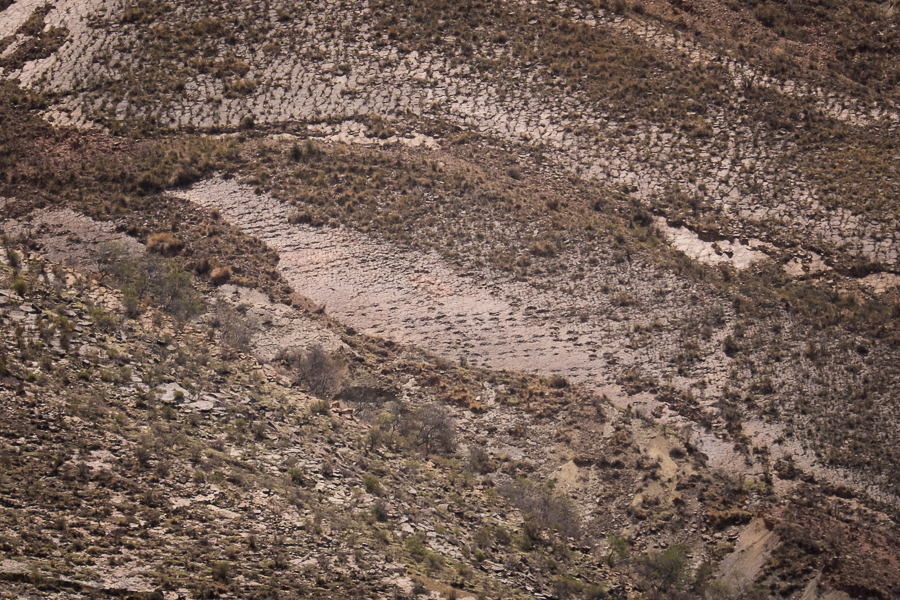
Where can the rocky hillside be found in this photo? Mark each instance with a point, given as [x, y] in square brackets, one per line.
[165, 448]
[554, 299]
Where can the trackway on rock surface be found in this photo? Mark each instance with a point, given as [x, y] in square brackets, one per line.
[409, 297]
[748, 175]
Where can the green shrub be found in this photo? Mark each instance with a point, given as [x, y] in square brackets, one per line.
[379, 511]
[667, 569]
[543, 507]
[168, 412]
[131, 303]
[433, 561]
[176, 295]
[432, 428]
[618, 549]
[320, 372]
[483, 537]
[567, 587]
[480, 460]
[139, 276]
[372, 485]
[415, 545]
[296, 475]
[502, 536]
[594, 592]
[104, 320]
[12, 257]
[20, 286]
[429, 427]
[221, 571]
[142, 455]
[320, 407]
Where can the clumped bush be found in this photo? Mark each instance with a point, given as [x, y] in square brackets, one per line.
[667, 569]
[234, 325]
[165, 244]
[558, 382]
[771, 16]
[241, 87]
[220, 275]
[141, 275]
[480, 460]
[429, 428]
[320, 372]
[305, 217]
[320, 407]
[543, 506]
[309, 149]
[372, 485]
[366, 398]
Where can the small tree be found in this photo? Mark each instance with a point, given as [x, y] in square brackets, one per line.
[320, 372]
[110, 257]
[667, 569]
[236, 326]
[433, 428]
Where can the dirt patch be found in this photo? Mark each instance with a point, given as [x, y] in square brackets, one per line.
[69, 238]
[754, 547]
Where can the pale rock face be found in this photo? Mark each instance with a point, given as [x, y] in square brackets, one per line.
[881, 282]
[733, 253]
[741, 168]
[414, 298]
[399, 294]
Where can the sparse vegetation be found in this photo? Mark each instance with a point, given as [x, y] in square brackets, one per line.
[537, 148]
[543, 507]
[320, 372]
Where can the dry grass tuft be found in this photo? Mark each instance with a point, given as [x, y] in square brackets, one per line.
[220, 275]
[165, 244]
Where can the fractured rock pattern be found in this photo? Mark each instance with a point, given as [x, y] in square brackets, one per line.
[306, 70]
